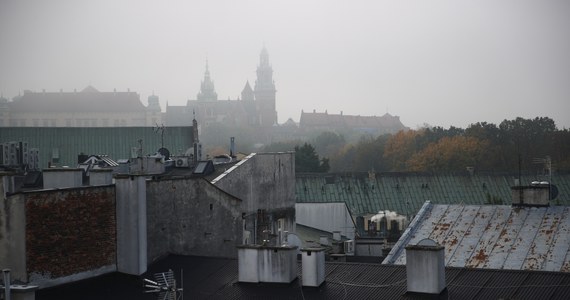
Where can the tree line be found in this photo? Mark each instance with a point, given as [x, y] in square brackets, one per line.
[482, 146]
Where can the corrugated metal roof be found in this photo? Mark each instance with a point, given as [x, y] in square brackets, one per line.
[216, 278]
[493, 237]
[405, 193]
[114, 142]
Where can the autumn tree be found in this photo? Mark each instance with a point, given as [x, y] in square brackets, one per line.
[448, 154]
[400, 147]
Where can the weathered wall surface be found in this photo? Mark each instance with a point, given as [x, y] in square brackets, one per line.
[69, 232]
[326, 216]
[262, 180]
[191, 217]
[12, 231]
[266, 184]
[131, 224]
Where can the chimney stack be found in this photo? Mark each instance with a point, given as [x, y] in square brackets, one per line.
[425, 268]
[537, 194]
[313, 266]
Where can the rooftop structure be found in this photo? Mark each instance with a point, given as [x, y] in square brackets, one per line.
[217, 278]
[405, 193]
[61, 146]
[492, 236]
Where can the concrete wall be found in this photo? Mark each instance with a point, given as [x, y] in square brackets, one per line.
[192, 217]
[12, 231]
[267, 264]
[537, 195]
[62, 178]
[326, 216]
[146, 165]
[100, 177]
[262, 181]
[131, 224]
[266, 184]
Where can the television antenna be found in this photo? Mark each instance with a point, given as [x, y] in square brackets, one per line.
[164, 285]
[160, 129]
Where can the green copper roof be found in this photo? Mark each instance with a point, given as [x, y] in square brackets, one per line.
[117, 142]
[405, 193]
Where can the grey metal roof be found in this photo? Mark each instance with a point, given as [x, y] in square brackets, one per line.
[116, 142]
[405, 193]
[493, 236]
[216, 278]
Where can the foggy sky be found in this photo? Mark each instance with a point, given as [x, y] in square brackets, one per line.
[437, 62]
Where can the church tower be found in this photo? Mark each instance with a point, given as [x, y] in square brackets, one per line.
[207, 91]
[265, 91]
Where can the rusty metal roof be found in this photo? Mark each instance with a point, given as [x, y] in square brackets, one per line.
[493, 236]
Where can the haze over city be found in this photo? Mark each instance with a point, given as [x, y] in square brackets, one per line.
[437, 62]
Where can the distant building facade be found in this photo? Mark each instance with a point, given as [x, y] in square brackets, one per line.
[256, 107]
[87, 108]
[316, 121]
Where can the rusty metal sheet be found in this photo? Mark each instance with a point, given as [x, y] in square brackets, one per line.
[527, 233]
[471, 238]
[460, 228]
[421, 231]
[498, 237]
[559, 252]
[543, 242]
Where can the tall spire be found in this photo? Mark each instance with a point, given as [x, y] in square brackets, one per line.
[207, 91]
[264, 91]
[264, 73]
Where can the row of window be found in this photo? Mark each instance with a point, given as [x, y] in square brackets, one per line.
[72, 122]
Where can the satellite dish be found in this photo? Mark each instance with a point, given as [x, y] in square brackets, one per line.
[164, 152]
[427, 242]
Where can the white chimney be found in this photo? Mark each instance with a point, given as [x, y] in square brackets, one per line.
[425, 267]
[313, 265]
